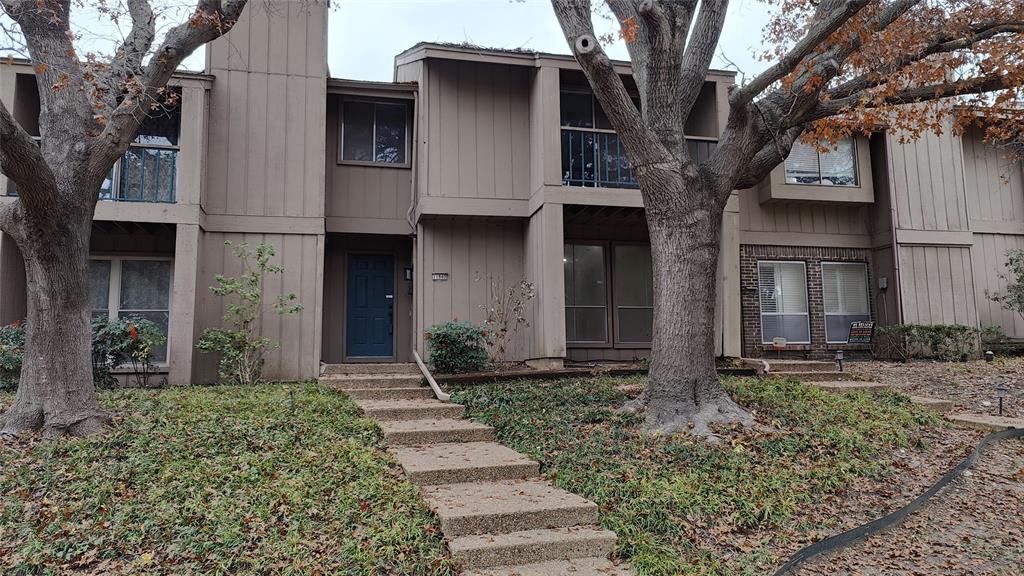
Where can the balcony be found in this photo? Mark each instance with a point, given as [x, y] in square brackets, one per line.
[594, 158]
[143, 174]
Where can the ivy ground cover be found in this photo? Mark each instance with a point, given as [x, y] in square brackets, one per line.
[816, 464]
[275, 479]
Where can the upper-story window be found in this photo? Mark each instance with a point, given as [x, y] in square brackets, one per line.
[148, 170]
[836, 167]
[374, 132]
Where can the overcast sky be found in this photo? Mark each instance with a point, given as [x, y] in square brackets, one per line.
[365, 35]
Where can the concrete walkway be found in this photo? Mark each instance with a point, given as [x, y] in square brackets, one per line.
[499, 517]
[827, 377]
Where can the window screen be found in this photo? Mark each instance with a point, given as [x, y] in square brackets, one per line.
[634, 293]
[374, 132]
[124, 288]
[845, 293]
[586, 294]
[782, 287]
[836, 167]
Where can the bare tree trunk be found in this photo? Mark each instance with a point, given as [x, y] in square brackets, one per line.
[56, 392]
[683, 387]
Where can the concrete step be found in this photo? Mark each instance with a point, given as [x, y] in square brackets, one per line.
[371, 368]
[830, 376]
[800, 366]
[355, 381]
[412, 432]
[419, 392]
[986, 422]
[531, 546]
[410, 409]
[840, 387]
[940, 405]
[577, 567]
[508, 506]
[434, 464]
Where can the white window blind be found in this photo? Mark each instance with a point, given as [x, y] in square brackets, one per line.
[836, 167]
[782, 288]
[845, 294]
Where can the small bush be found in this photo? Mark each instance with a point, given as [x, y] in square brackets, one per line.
[456, 347]
[12, 348]
[125, 342]
[946, 342]
[241, 345]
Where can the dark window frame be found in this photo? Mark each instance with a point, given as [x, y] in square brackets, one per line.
[407, 141]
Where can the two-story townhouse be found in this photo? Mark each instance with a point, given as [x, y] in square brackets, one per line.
[396, 205]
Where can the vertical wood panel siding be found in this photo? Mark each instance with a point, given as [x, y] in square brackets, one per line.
[469, 251]
[989, 255]
[370, 192]
[927, 182]
[937, 284]
[995, 183]
[13, 295]
[298, 356]
[267, 113]
[800, 217]
[477, 134]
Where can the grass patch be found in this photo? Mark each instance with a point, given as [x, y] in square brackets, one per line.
[277, 479]
[683, 506]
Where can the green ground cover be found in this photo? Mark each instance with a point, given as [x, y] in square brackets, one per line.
[276, 479]
[683, 506]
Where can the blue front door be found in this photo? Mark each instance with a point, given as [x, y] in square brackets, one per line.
[371, 306]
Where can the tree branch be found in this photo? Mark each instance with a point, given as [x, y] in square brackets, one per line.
[210, 20]
[970, 86]
[23, 162]
[815, 37]
[574, 18]
[700, 50]
[127, 61]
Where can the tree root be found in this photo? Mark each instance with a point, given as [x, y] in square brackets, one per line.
[17, 422]
[696, 420]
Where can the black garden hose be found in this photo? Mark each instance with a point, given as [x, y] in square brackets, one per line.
[857, 534]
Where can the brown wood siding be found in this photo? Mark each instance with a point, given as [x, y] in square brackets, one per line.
[995, 182]
[336, 291]
[470, 251]
[927, 182]
[989, 253]
[937, 285]
[298, 356]
[367, 192]
[267, 114]
[800, 217]
[477, 134]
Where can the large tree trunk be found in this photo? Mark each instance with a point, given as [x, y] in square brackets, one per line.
[683, 388]
[56, 392]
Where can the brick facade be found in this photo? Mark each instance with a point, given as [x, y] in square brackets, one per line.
[812, 257]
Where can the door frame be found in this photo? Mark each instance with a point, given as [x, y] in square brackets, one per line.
[394, 320]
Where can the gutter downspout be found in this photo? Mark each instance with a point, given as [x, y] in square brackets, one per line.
[892, 226]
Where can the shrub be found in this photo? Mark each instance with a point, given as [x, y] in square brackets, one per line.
[241, 346]
[1012, 298]
[115, 343]
[456, 347]
[123, 342]
[505, 313]
[12, 348]
[947, 342]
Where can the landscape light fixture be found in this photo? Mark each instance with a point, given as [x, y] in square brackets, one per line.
[1001, 391]
[989, 356]
[839, 359]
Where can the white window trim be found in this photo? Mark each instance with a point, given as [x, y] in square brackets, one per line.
[114, 293]
[341, 134]
[856, 171]
[825, 310]
[807, 305]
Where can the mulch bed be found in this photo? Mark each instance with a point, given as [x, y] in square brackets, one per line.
[970, 385]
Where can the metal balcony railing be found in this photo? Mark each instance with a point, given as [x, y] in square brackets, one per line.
[143, 174]
[596, 158]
